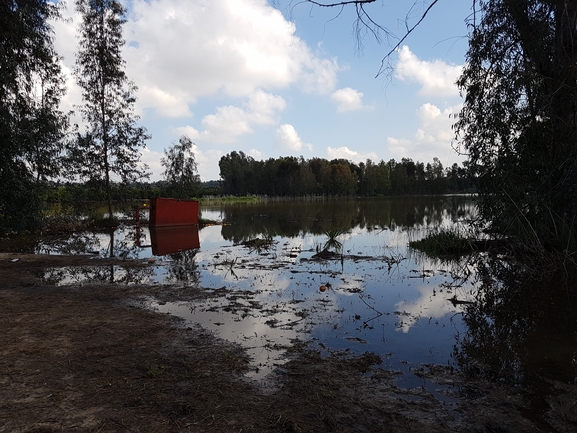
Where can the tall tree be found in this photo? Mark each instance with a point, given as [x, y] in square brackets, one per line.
[31, 126]
[180, 168]
[236, 172]
[519, 120]
[110, 145]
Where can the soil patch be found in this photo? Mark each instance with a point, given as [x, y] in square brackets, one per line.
[89, 358]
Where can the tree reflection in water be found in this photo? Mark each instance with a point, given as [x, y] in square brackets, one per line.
[184, 268]
[85, 275]
[523, 327]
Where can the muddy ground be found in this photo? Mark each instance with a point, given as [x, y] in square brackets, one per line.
[89, 358]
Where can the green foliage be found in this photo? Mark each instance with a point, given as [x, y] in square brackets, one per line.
[31, 126]
[20, 201]
[518, 120]
[110, 144]
[237, 173]
[181, 171]
[289, 176]
[444, 244]
[332, 242]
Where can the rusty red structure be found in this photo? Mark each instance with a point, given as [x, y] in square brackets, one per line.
[173, 225]
[172, 212]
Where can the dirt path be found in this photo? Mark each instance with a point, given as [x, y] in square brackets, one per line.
[88, 359]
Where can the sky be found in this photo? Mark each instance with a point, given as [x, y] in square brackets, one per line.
[281, 78]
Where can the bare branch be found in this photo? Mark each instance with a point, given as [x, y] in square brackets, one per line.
[341, 3]
[405, 36]
[365, 22]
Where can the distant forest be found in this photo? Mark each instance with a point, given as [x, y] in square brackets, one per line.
[241, 175]
[290, 176]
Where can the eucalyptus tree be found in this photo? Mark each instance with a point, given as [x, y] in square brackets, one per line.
[236, 173]
[519, 120]
[31, 125]
[181, 169]
[109, 147]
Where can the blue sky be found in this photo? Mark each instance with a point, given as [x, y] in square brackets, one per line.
[274, 79]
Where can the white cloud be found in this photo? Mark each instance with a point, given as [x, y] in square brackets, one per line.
[320, 75]
[437, 78]
[181, 51]
[256, 154]
[348, 99]
[351, 155]
[433, 137]
[208, 164]
[152, 159]
[229, 122]
[166, 104]
[189, 131]
[287, 138]
[399, 148]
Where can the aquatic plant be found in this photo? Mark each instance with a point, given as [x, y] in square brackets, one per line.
[444, 243]
[332, 242]
[259, 244]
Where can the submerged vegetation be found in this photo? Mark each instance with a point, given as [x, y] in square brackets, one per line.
[259, 244]
[445, 244]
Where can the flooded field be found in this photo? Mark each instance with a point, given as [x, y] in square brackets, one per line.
[293, 296]
[287, 279]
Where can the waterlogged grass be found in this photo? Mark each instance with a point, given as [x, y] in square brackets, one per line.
[230, 199]
[444, 244]
[259, 244]
[332, 242]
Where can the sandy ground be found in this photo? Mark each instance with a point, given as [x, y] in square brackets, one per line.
[88, 359]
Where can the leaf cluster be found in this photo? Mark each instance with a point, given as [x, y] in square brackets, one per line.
[518, 121]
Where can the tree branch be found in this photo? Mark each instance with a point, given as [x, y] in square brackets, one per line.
[341, 3]
[364, 19]
[406, 35]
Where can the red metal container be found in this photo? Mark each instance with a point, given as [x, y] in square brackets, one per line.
[172, 212]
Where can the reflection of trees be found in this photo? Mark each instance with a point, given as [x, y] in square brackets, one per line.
[99, 274]
[523, 325]
[183, 268]
[292, 218]
[75, 243]
[124, 242]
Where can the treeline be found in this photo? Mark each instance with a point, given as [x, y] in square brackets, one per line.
[290, 176]
[81, 193]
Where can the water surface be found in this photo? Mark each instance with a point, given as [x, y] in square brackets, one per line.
[374, 295]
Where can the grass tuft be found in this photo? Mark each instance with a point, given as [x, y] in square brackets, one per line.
[444, 244]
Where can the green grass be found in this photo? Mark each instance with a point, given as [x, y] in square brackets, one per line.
[230, 199]
[332, 242]
[259, 244]
[444, 244]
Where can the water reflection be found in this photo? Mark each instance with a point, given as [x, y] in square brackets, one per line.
[184, 269]
[523, 327]
[296, 217]
[76, 243]
[83, 275]
[378, 296]
[172, 239]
